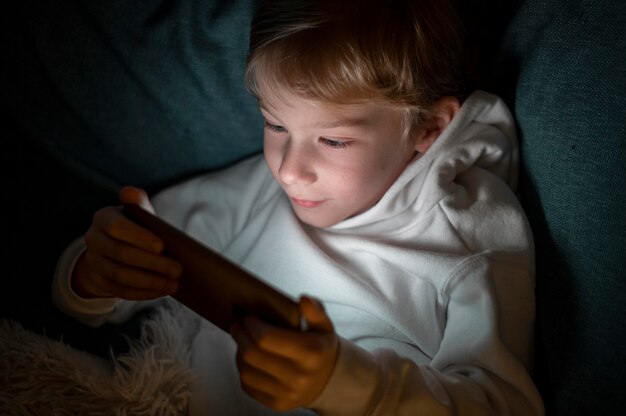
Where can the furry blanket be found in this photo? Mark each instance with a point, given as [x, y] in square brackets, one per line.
[40, 376]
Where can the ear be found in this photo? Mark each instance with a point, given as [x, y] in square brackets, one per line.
[441, 114]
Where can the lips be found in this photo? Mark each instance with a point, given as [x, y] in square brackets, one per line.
[306, 203]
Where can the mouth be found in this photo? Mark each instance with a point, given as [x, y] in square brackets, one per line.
[305, 203]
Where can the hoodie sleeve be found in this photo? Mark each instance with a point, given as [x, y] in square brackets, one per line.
[473, 372]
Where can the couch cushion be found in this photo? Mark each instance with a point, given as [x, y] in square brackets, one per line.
[563, 70]
[99, 94]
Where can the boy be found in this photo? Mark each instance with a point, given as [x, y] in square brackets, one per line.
[381, 195]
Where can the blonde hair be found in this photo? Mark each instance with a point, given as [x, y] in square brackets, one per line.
[405, 53]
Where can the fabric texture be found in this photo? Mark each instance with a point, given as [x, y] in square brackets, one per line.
[563, 72]
[100, 94]
[443, 260]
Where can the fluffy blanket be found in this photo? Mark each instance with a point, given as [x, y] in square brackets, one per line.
[40, 376]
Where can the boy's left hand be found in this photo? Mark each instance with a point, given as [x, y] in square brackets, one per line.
[283, 368]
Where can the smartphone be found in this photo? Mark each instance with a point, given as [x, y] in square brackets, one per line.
[215, 287]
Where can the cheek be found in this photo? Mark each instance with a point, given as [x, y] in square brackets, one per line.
[378, 168]
[361, 182]
[382, 171]
[272, 153]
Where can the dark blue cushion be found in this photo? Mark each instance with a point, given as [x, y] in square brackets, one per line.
[102, 93]
[563, 70]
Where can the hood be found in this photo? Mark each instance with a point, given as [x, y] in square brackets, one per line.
[482, 134]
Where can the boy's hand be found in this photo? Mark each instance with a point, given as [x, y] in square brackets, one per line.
[282, 368]
[124, 259]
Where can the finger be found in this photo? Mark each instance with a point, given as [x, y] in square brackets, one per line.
[114, 223]
[108, 288]
[299, 376]
[277, 394]
[92, 284]
[250, 355]
[133, 195]
[262, 385]
[303, 350]
[130, 277]
[130, 255]
[314, 314]
[272, 339]
[254, 378]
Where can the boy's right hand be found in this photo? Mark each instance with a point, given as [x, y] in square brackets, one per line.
[123, 259]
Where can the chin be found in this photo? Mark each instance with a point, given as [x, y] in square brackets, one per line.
[316, 221]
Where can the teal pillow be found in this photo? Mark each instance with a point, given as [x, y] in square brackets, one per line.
[563, 71]
[102, 93]
[141, 91]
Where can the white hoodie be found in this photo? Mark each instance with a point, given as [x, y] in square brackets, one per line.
[431, 289]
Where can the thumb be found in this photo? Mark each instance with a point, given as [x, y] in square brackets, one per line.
[314, 314]
[132, 195]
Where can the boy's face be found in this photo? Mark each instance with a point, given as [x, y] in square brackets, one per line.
[333, 161]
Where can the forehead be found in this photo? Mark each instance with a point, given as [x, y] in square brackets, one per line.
[322, 114]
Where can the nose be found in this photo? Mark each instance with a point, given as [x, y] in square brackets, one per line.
[296, 167]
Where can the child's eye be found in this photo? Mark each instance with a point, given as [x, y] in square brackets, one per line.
[335, 144]
[275, 128]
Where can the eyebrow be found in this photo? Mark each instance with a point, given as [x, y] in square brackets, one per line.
[339, 122]
[344, 122]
